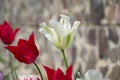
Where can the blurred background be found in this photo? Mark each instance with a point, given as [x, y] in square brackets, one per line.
[95, 46]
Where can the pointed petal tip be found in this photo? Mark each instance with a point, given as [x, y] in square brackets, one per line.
[78, 22]
[10, 48]
[5, 22]
[17, 29]
[6, 47]
[46, 68]
[31, 36]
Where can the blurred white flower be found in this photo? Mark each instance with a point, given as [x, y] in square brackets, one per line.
[92, 75]
[60, 33]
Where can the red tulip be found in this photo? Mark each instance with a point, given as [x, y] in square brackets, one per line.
[58, 74]
[25, 51]
[7, 35]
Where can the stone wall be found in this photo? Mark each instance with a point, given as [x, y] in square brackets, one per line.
[96, 45]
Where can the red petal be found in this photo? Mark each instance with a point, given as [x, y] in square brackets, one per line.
[27, 52]
[6, 33]
[22, 41]
[32, 44]
[17, 29]
[6, 24]
[69, 72]
[50, 72]
[15, 51]
[59, 75]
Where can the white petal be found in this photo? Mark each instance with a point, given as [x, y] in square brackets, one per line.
[66, 41]
[57, 27]
[73, 31]
[93, 75]
[65, 21]
[49, 33]
[74, 28]
[75, 25]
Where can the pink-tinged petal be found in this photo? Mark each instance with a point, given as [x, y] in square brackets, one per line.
[69, 72]
[59, 75]
[38, 78]
[50, 72]
[32, 44]
[15, 51]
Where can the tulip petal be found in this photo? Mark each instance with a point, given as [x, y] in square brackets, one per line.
[74, 29]
[75, 26]
[6, 24]
[6, 33]
[57, 27]
[66, 40]
[65, 21]
[15, 51]
[32, 45]
[50, 72]
[50, 34]
[59, 75]
[69, 72]
[28, 55]
[46, 31]
[16, 31]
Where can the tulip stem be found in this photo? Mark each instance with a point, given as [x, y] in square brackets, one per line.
[64, 57]
[11, 66]
[38, 70]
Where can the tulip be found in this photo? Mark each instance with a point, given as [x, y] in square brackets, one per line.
[60, 33]
[25, 51]
[7, 35]
[58, 74]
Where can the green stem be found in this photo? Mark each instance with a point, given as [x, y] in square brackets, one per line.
[11, 66]
[64, 57]
[38, 70]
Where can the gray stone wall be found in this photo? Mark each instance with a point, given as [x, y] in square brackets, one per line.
[97, 42]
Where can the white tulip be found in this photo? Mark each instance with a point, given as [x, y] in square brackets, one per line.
[60, 33]
[93, 75]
